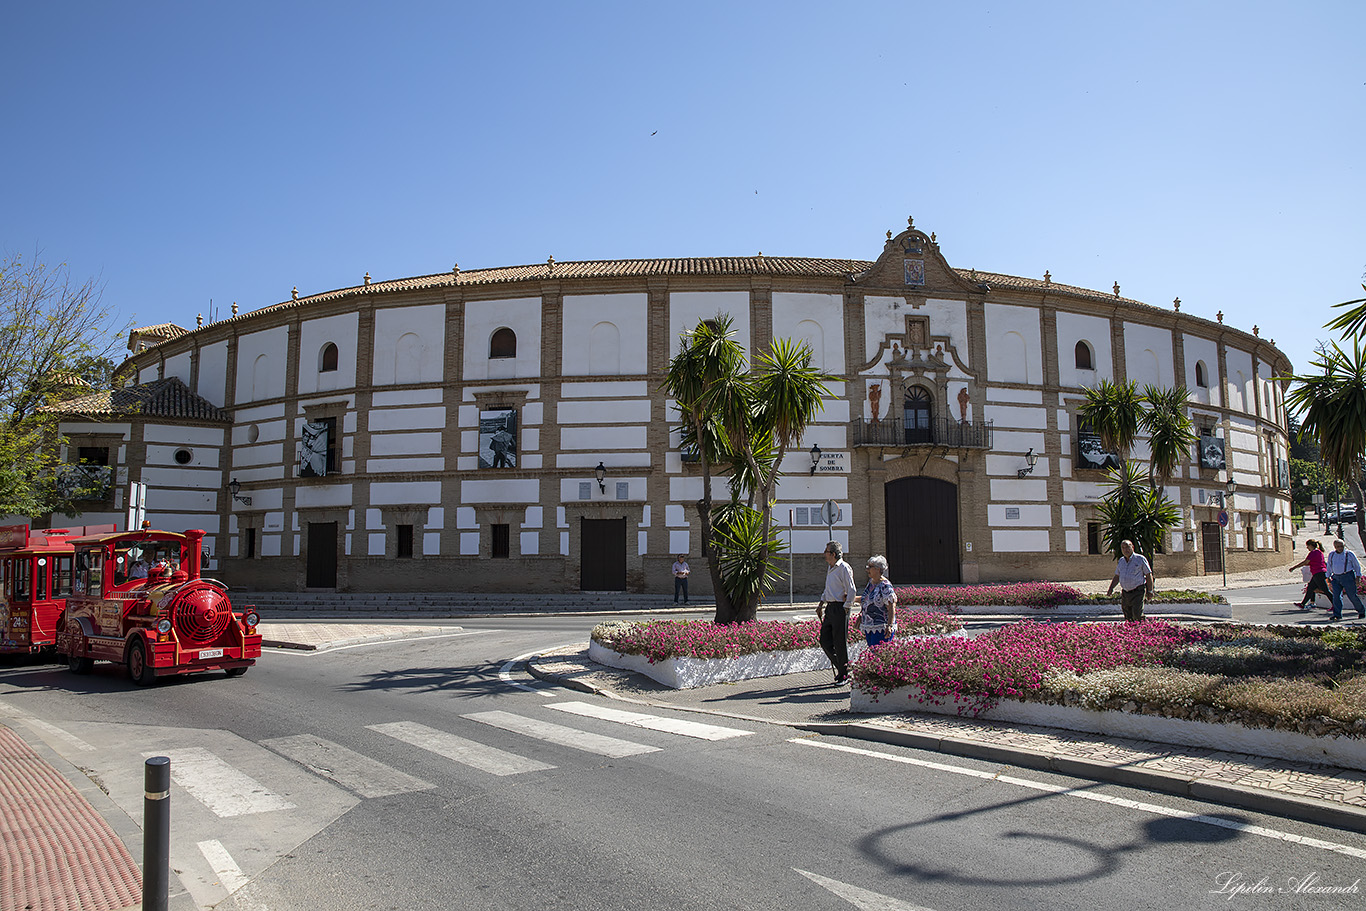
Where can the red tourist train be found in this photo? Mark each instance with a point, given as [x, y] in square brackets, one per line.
[135, 598]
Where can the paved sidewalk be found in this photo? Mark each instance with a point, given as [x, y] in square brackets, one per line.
[810, 701]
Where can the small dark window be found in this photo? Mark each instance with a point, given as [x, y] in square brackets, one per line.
[1084, 359]
[1093, 538]
[501, 536]
[1200, 379]
[183, 456]
[250, 543]
[61, 576]
[92, 455]
[1250, 530]
[404, 547]
[327, 358]
[503, 343]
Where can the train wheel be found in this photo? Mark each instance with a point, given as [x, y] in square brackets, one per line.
[138, 669]
[235, 671]
[79, 665]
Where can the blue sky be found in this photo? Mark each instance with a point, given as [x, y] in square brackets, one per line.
[189, 152]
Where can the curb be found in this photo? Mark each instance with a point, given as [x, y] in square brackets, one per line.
[1305, 809]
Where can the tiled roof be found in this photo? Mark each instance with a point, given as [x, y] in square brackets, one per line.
[168, 398]
[161, 330]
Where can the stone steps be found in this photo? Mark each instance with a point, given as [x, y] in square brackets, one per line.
[274, 605]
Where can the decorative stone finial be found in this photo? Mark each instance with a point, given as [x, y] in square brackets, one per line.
[1116, 289]
[367, 278]
[910, 221]
[889, 235]
[1047, 277]
[1176, 302]
[1256, 331]
[973, 274]
[198, 320]
[455, 269]
[234, 308]
[550, 261]
[761, 254]
[1219, 316]
[295, 292]
[932, 238]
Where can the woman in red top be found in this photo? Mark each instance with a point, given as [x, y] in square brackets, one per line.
[1318, 567]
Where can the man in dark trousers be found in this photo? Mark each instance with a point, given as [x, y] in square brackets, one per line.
[833, 610]
[1134, 576]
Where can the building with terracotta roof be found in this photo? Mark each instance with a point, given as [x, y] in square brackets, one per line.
[506, 429]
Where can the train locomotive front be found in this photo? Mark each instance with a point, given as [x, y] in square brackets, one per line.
[139, 600]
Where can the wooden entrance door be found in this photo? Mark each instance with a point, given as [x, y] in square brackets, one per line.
[1211, 540]
[922, 531]
[322, 555]
[602, 555]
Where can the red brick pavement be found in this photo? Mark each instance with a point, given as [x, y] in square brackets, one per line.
[56, 852]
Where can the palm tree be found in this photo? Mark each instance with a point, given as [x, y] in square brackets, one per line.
[1135, 513]
[1354, 320]
[743, 421]
[1113, 411]
[1170, 436]
[1332, 407]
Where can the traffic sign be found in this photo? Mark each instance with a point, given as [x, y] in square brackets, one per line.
[830, 512]
[1223, 519]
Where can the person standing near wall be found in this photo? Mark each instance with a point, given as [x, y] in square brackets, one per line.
[681, 577]
[1134, 576]
[833, 610]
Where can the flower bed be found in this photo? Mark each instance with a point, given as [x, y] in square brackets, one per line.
[1050, 596]
[1301, 681]
[690, 653]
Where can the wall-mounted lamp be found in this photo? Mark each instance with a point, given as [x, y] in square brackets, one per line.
[815, 457]
[1031, 459]
[234, 487]
[600, 473]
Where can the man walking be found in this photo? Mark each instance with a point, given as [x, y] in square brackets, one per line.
[833, 610]
[1343, 571]
[1134, 576]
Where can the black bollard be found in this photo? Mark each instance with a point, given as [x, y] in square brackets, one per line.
[156, 834]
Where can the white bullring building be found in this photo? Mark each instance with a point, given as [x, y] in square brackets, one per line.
[505, 429]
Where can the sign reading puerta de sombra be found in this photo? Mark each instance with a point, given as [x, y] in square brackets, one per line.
[498, 438]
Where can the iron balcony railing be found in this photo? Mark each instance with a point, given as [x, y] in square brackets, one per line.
[85, 482]
[940, 432]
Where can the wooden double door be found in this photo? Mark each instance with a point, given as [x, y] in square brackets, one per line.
[602, 555]
[922, 531]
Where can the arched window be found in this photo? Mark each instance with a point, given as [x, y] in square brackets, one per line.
[1084, 359]
[1200, 379]
[919, 408]
[327, 358]
[503, 343]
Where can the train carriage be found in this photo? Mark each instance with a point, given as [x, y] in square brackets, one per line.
[36, 574]
[138, 599]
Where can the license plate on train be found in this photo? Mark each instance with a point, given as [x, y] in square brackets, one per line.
[211, 653]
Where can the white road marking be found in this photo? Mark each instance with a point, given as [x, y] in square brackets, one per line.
[564, 736]
[1063, 791]
[230, 876]
[327, 650]
[218, 785]
[653, 722]
[357, 773]
[862, 899]
[505, 675]
[52, 730]
[466, 752]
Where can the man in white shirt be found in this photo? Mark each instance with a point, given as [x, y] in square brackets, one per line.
[1343, 571]
[833, 610]
[681, 577]
[1134, 576]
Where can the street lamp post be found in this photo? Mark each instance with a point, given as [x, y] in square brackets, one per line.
[1232, 487]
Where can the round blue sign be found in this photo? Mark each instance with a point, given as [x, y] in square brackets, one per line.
[1223, 519]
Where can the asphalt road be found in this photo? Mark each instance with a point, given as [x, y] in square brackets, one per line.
[432, 774]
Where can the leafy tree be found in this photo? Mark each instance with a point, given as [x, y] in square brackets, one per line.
[1170, 436]
[1331, 404]
[1113, 411]
[1134, 512]
[55, 335]
[742, 422]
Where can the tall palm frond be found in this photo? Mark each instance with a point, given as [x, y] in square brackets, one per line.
[1354, 320]
[1170, 435]
[1113, 410]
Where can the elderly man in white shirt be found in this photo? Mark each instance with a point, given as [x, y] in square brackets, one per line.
[1343, 571]
[833, 610]
[1134, 576]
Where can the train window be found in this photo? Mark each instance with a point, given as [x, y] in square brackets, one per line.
[61, 576]
[40, 579]
[22, 590]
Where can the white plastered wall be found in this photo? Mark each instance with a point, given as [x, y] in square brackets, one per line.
[1014, 350]
[523, 316]
[1095, 332]
[588, 343]
[410, 345]
[1148, 355]
[688, 308]
[261, 365]
[816, 319]
[1202, 350]
[213, 373]
[314, 334]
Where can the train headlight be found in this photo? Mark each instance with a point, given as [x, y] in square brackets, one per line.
[164, 625]
[251, 618]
